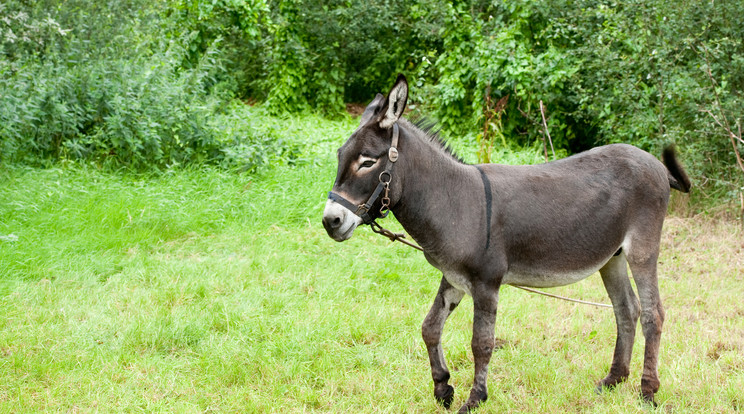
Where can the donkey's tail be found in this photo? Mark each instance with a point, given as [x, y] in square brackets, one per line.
[678, 178]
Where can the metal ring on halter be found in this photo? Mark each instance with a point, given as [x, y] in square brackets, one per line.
[389, 176]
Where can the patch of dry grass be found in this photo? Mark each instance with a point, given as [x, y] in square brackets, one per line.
[701, 272]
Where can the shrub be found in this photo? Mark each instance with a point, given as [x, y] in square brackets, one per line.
[135, 113]
[135, 83]
[633, 72]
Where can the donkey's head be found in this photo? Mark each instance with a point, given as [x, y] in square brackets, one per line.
[364, 165]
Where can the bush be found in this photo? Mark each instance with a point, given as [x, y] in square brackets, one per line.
[135, 83]
[135, 107]
[633, 72]
[134, 113]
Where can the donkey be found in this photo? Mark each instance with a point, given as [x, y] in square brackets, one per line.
[487, 225]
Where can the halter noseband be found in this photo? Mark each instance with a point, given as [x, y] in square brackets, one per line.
[362, 210]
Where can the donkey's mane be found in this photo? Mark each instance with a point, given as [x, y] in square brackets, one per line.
[430, 131]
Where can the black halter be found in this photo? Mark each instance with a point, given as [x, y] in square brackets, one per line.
[362, 210]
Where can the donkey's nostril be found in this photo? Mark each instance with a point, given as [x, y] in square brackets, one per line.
[331, 222]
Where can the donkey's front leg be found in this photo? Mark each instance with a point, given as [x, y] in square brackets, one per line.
[485, 303]
[445, 302]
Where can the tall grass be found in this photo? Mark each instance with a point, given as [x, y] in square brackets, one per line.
[208, 290]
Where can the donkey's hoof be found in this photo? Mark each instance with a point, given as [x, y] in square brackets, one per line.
[602, 387]
[467, 408]
[475, 400]
[609, 382]
[445, 395]
[649, 399]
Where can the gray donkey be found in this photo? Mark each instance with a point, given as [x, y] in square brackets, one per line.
[487, 225]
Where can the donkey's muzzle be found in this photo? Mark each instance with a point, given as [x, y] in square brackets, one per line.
[339, 221]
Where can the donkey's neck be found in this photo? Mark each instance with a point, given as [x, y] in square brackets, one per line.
[435, 188]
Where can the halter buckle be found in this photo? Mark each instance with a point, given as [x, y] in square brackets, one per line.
[393, 154]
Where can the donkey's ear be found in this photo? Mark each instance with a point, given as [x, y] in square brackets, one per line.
[396, 103]
[372, 109]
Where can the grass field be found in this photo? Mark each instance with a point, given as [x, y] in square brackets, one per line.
[197, 291]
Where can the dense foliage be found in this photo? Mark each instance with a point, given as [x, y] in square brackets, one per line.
[642, 72]
[138, 84]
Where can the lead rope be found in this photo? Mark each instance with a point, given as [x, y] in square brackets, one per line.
[402, 238]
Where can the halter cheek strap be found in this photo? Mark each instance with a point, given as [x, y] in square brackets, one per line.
[362, 210]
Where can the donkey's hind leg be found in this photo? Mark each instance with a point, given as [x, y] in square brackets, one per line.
[643, 267]
[627, 310]
[445, 302]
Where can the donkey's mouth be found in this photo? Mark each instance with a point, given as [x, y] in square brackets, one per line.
[341, 236]
[339, 222]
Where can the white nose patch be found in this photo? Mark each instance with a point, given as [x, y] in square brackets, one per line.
[348, 220]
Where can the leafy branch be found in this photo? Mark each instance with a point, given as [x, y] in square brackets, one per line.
[723, 120]
[546, 133]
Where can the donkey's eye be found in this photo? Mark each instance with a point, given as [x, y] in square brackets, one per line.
[366, 162]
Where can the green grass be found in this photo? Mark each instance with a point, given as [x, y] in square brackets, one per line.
[203, 290]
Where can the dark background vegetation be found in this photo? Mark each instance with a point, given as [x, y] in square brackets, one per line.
[148, 84]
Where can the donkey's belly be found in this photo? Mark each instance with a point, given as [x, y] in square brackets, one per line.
[542, 278]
